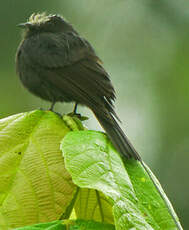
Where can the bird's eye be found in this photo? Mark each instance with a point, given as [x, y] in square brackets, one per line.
[49, 22]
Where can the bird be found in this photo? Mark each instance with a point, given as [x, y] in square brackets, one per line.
[56, 64]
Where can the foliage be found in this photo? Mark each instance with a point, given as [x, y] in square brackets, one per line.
[36, 187]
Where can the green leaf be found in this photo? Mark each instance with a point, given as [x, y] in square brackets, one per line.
[89, 204]
[94, 163]
[70, 225]
[34, 185]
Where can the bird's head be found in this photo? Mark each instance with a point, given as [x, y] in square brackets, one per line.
[39, 23]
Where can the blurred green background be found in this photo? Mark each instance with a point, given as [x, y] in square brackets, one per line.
[145, 48]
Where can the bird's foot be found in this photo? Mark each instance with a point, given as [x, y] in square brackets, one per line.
[77, 115]
[74, 114]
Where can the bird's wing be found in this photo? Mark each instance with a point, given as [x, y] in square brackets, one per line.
[83, 85]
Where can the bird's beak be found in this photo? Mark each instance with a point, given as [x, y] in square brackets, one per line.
[24, 25]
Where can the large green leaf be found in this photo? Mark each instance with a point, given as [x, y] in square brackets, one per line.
[137, 204]
[34, 185]
[89, 204]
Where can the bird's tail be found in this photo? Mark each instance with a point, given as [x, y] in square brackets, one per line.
[117, 136]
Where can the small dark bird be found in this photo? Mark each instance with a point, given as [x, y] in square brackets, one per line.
[55, 63]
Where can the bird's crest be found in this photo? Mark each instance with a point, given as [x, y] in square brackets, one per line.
[37, 18]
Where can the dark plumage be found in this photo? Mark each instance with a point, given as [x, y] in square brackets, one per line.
[56, 64]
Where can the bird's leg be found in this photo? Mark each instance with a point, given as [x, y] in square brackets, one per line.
[52, 106]
[78, 115]
[75, 109]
